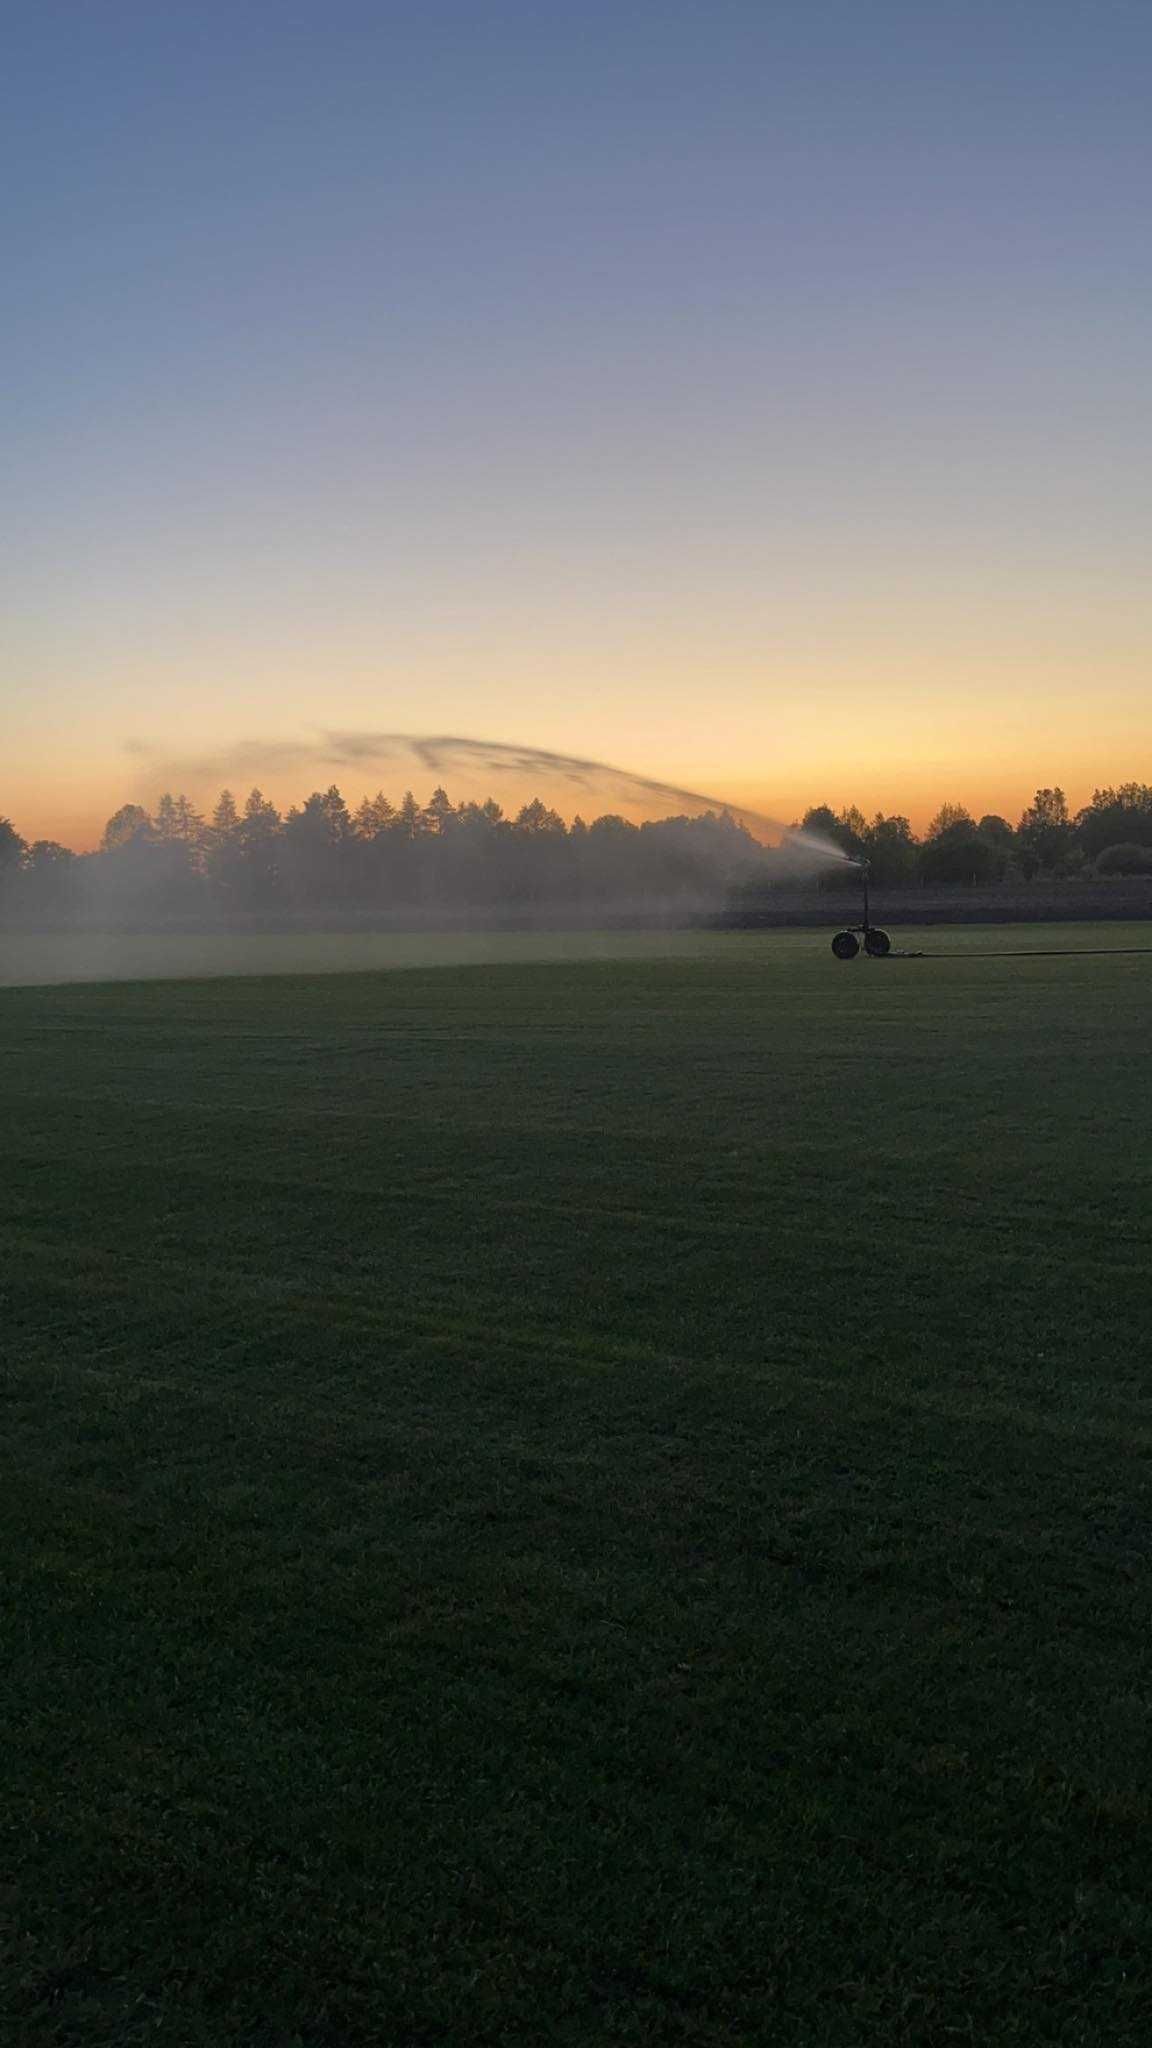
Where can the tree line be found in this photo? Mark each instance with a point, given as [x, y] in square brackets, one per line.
[1112, 835]
[248, 862]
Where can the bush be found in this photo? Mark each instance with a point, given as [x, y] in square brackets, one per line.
[1127, 859]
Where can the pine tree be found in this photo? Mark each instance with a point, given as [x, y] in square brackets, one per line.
[165, 822]
[258, 837]
[409, 818]
[439, 812]
[374, 815]
[536, 818]
[225, 818]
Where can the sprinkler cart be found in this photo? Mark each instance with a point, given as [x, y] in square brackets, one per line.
[846, 944]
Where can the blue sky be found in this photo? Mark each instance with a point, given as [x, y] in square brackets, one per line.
[638, 380]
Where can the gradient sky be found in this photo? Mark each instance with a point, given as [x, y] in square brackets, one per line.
[751, 392]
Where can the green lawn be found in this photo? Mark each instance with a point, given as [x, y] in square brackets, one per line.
[591, 1502]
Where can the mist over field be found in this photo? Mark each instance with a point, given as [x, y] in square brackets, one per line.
[454, 866]
[238, 882]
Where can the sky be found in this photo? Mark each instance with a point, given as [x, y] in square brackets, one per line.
[753, 393]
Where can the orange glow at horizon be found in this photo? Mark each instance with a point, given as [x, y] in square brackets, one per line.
[75, 812]
[877, 721]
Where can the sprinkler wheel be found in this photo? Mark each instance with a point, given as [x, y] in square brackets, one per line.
[877, 943]
[845, 945]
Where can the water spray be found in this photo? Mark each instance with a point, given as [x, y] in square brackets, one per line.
[877, 944]
[449, 754]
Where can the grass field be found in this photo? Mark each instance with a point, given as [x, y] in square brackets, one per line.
[591, 1502]
[42, 957]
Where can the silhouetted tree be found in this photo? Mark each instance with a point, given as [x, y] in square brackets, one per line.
[126, 827]
[822, 822]
[178, 854]
[947, 818]
[223, 854]
[49, 880]
[997, 831]
[12, 852]
[536, 818]
[225, 818]
[49, 857]
[1116, 817]
[259, 837]
[1045, 830]
[131, 875]
[959, 853]
[853, 826]
[176, 821]
[374, 815]
[409, 821]
[317, 843]
[891, 847]
[12, 846]
[998, 834]
[439, 812]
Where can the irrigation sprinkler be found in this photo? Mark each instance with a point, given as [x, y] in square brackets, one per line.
[877, 944]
